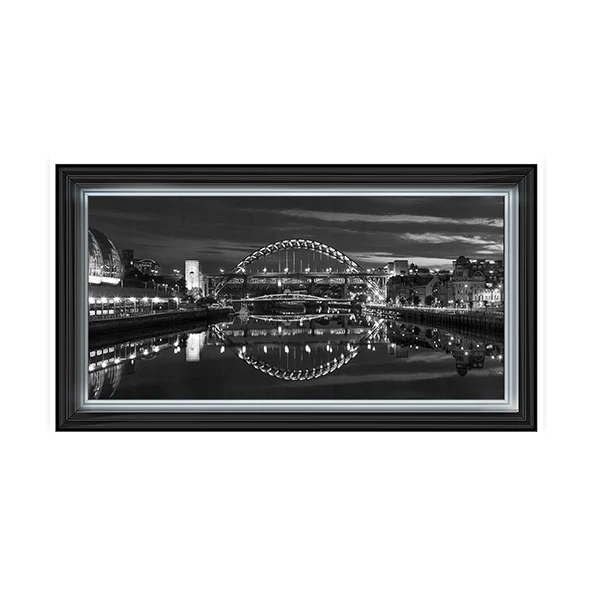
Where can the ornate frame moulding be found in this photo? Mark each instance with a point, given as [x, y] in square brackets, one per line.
[516, 184]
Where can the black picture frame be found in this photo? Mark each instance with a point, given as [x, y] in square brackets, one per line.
[73, 181]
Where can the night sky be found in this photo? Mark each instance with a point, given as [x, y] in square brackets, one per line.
[431, 231]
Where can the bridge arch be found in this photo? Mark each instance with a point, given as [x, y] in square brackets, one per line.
[300, 374]
[299, 243]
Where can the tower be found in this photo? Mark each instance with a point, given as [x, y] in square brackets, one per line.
[193, 274]
[128, 256]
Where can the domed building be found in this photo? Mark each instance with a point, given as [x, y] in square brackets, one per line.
[105, 265]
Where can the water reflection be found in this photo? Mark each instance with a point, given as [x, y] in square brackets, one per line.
[107, 364]
[468, 352]
[309, 354]
[287, 350]
[193, 346]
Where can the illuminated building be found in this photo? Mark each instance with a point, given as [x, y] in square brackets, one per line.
[193, 275]
[491, 296]
[398, 267]
[477, 283]
[105, 265]
[147, 266]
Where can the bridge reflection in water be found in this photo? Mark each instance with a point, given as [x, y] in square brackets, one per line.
[285, 348]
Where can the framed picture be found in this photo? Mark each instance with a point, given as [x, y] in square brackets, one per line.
[288, 298]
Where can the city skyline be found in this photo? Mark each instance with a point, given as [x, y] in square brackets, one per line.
[220, 231]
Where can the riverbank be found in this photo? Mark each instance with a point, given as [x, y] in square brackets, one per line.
[128, 328]
[465, 321]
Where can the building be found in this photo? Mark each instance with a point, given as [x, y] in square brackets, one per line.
[419, 292]
[413, 268]
[107, 295]
[491, 297]
[492, 270]
[465, 292]
[461, 269]
[403, 289]
[128, 258]
[472, 284]
[477, 284]
[437, 291]
[398, 267]
[149, 267]
[115, 302]
[104, 263]
[194, 276]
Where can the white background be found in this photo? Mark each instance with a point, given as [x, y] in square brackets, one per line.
[225, 514]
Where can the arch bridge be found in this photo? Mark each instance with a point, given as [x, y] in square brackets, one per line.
[352, 271]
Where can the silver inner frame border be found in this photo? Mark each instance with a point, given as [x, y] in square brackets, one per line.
[511, 310]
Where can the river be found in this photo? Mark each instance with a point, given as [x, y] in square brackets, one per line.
[343, 356]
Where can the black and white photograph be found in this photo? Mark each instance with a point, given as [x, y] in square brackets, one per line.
[296, 297]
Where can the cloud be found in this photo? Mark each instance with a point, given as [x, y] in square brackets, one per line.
[331, 216]
[491, 249]
[429, 237]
